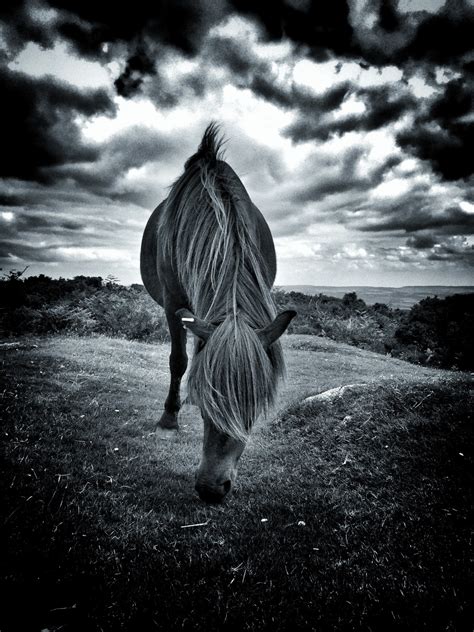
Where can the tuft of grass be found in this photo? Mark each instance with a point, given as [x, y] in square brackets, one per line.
[351, 513]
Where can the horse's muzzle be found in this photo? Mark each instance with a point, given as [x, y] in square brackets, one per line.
[214, 493]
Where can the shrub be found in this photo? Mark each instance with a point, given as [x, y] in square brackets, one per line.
[127, 314]
[347, 320]
[439, 332]
[83, 305]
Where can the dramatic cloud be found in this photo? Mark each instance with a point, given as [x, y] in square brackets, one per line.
[411, 217]
[455, 249]
[21, 223]
[336, 174]
[443, 133]
[445, 37]
[128, 150]
[382, 105]
[38, 118]
[323, 27]
[421, 242]
[89, 25]
[350, 123]
[138, 65]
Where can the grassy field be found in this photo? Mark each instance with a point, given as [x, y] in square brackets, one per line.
[351, 513]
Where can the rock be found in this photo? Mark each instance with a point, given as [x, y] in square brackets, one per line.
[332, 393]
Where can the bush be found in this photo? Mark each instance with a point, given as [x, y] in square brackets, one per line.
[129, 315]
[439, 332]
[347, 320]
[83, 305]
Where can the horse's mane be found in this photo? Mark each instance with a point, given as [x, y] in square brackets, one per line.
[210, 149]
[208, 231]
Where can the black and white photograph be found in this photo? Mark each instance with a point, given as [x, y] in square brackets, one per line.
[236, 316]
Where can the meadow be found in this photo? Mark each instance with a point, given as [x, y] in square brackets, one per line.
[351, 512]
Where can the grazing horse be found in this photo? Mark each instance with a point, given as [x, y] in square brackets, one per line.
[208, 258]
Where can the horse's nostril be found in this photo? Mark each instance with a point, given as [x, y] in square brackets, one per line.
[213, 494]
[209, 495]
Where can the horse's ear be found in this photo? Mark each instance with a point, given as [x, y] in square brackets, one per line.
[269, 334]
[198, 327]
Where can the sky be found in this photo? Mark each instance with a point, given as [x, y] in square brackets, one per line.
[350, 123]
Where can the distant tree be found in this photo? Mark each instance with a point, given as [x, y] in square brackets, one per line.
[353, 302]
[440, 331]
[12, 292]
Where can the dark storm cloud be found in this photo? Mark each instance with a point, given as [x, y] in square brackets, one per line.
[443, 134]
[38, 125]
[234, 55]
[26, 223]
[332, 29]
[167, 93]
[464, 256]
[245, 70]
[445, 37]
[329, 189]
[182, 24]
[340, 175]
[20, 26]
[448, 151]
[383, 104]
[320, 104]
[14, 249]
[130, 149]
[403, 37]
[22, 194]
[138, 66]
[389, 19]
[11, 199]
[455, 249]
[323, 27]
[92, 26]
[412, 215]
[294, 96]
[421, 242]
[144, 35]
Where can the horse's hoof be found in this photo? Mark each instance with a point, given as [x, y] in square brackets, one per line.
[168, 421]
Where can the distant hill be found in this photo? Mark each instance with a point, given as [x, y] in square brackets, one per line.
[401, 297]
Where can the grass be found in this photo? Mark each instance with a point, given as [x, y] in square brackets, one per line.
[351, 513]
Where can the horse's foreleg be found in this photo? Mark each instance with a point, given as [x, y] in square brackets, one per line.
[178, 364]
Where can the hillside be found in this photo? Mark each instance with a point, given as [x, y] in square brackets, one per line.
[395, 297]
[434, 332]
[350, 513]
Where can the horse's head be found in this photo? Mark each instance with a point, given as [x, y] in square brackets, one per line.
[233, 380]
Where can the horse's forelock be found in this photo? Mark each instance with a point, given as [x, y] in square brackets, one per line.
[233, 379]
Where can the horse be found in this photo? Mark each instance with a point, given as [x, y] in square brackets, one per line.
[208, 258]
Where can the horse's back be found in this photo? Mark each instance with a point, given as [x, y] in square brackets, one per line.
[267, 246]
[149, 258]
[157, 273]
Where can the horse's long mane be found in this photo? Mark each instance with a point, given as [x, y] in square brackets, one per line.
[209, 233]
